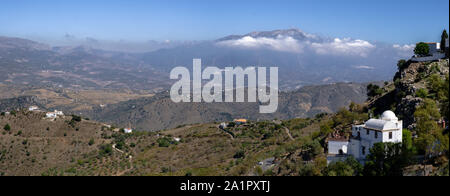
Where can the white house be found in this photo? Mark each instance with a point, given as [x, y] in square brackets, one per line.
[223, 125]
[128, 130]
[434, 47]
[384, 130]
[33, 108]
[59, 113]
[50, 115]
[54, 114]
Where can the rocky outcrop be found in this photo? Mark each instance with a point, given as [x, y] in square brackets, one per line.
[407, 82]
[406, 108]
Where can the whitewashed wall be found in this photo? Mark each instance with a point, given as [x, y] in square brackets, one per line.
[335, 146]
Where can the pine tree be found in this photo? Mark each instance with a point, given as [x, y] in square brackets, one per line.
[444, 36]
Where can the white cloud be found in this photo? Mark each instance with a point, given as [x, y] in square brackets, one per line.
[345, 46]
[281, 43]
[364, 67]
[406, 48]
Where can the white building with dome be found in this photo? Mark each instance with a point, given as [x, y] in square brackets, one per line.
[384, 130]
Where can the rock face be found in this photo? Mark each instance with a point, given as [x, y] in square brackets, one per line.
[406, 108]
[403, 99]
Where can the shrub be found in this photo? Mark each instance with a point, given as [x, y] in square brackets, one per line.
[422, 49]
[401, 64]
[407, 139]
[76, 118]
[239, 154]
[91, 142]
[374, 90]
[387, 159]
[165, 170]
[105, 150]
[422, 93]
[164, 142]
[7, 127]
[339, 169]
[231, 124]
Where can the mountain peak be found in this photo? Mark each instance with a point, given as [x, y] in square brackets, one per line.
[295, 33]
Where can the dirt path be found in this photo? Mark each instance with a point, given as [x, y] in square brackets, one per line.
[130, 160]
[231, 136]
[288, 132]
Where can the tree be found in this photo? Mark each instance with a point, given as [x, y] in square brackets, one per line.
[163, 142]
[91, 142]
[387, 159]
[374, 90]
[444, 101]
[422, 49]
[444, 36]
[105, 150]
[407, 139]
[76, 118]
[426, 117]
[239, 154]
[422, 93]
[401, 64]
[7, 127]
[339, 169]
[349, 167]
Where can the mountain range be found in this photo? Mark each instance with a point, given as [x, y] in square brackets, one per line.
[72, 78]
[303, 59]
[160, 112]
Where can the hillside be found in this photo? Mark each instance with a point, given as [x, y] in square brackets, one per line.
[159, 112]
[33, 145]
[25, 62]
[69, 100]
[20, 102]
[413, 83]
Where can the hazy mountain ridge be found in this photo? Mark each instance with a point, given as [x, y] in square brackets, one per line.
[303, 59]
[29, 63]
[159, 112]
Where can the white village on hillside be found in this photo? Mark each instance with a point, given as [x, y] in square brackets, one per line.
[49, 115]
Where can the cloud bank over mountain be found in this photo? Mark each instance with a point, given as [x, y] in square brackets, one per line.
[296, 41]
[344, 46]
[302, 58]
[280, 43]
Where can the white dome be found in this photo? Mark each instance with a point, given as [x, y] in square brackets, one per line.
[389, 116]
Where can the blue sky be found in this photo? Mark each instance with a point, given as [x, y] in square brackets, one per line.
[391, 21]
